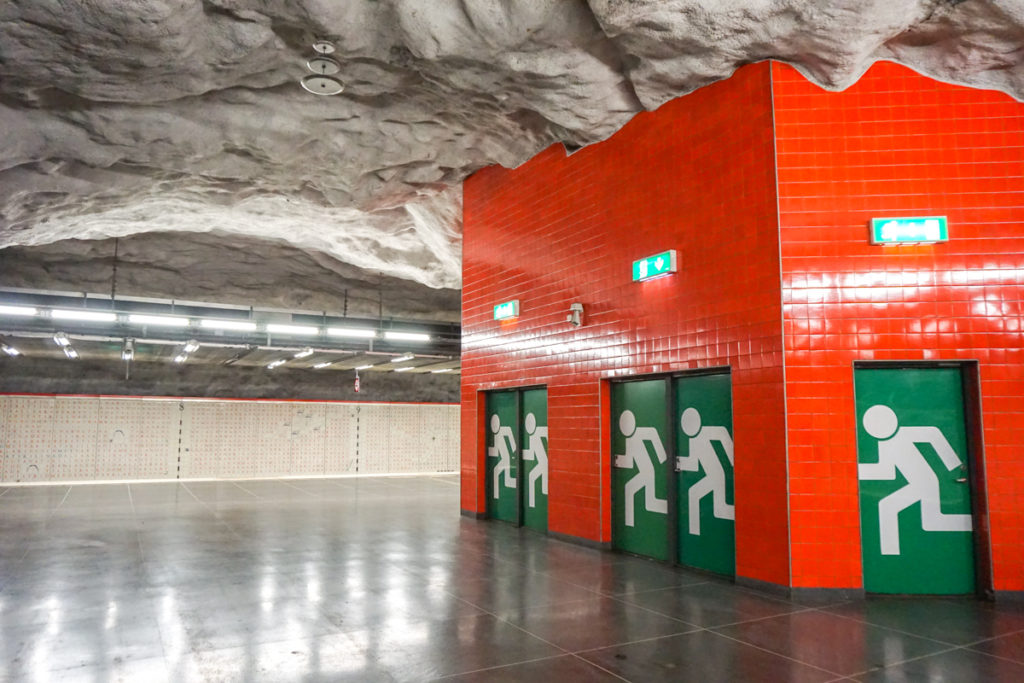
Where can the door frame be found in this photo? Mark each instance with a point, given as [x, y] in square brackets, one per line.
[671, 488]
[518, 431]
[970, 382]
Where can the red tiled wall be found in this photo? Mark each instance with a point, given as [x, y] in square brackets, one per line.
[896, 144]
[698, 176]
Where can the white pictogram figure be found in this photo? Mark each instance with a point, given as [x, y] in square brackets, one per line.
[536, 451]
[636, 453]
[702, 454]
[504, 445]
[897, 452]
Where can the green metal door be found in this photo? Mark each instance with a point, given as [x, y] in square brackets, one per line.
[915, 504]
[502, 457]
[704, 463]
[639, 480]
[534, 485]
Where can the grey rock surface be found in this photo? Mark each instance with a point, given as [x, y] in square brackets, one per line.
[125, 117]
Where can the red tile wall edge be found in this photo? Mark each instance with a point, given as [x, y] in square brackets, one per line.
[697, 175]
[897, 144]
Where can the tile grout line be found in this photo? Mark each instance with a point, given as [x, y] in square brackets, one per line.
[248, 491]
[777, 654]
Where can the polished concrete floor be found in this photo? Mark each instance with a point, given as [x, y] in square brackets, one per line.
[379, 579]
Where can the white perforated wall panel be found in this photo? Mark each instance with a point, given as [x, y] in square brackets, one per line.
[68, 438]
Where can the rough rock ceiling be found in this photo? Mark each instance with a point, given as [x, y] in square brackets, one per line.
[125, 117]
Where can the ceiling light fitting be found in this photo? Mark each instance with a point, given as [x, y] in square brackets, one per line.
[191, 346]
[239, 325]
[402, 359]
[157, 320]
[276, 328]
[321, 366]
[304, 353]
[89, 316]
[10, 350]
[322, 80]
[61, 339]
[351, 332]
[19, 310]
[70, 353]
[406, 336]
[276, 363]
[128, 351]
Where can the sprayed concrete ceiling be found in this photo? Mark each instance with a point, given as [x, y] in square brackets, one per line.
[180, 124]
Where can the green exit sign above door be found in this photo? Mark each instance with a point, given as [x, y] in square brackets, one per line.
[654, 266]
[507, 310]
[926, 230]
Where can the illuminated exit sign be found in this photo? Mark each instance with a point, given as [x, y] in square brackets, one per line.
[909, 230]
[507, 310]
[654, 266]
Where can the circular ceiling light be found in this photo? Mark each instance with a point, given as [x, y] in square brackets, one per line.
[324, 66]
[322, 85]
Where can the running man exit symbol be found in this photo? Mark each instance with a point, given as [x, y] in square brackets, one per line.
[654, 266]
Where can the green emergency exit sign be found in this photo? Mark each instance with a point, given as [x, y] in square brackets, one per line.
[654, 266]
[507, 310]
[909, 230]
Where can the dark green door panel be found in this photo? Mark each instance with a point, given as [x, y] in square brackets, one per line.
[502, 457]
[915, 498]
[707, 530]
[534, 480]
[639, 481]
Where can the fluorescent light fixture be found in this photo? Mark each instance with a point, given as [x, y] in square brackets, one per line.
[321, 366]
[181, 358]
[276, 363]
[82, 314]
[19, 310]
[351, 332]
[303, 353]
[61, 339]
[406, 336]
[70, 352]
[10, 350]
[405, 369]
[438, 372]
[292, 329]
[402, 359]
[240, 325]
[158, 320]
[364, 367]
[191, 346]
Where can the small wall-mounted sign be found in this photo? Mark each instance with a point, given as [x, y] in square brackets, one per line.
[927, 230]
[654, 266]
[507, 310]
